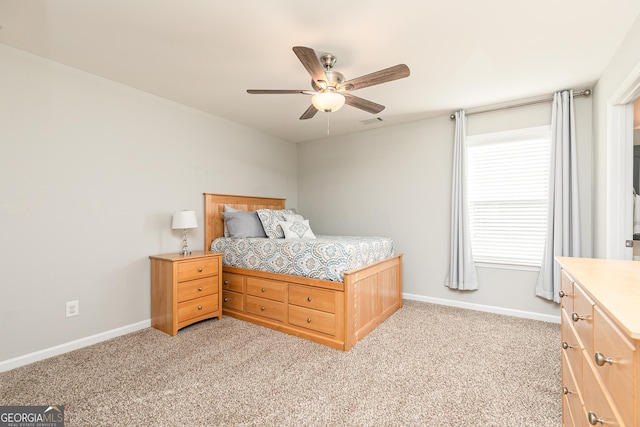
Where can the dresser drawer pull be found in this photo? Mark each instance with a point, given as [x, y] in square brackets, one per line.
[566, 345]
[226, 282]
[263, 308]
[200, 289]
[566, 391]
[593, 419]
[199, 307]
[561, 294]
[226, 299]
[575, 317]
[263, 290]
[309, 299]
[308, 319]
[601, 360]
[199, 269]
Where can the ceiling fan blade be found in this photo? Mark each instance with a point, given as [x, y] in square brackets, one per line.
[311, 111]
[388, 74]
[310, 60]
[363, 104]
[274, 91]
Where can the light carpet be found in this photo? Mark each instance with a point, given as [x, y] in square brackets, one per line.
[427, 365]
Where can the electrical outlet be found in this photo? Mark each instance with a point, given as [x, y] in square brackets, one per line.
[72, 308]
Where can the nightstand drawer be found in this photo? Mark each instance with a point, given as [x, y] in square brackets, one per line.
[266, 289]
[312, 319]
[232, 282]
[197, 288]
[266, 308]
[197, 307]
[317, 299]
[232, 300]
[196, 269]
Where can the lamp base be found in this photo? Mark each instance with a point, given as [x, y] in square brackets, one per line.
[184, 252]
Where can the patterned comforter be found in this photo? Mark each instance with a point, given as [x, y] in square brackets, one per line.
[325, 258]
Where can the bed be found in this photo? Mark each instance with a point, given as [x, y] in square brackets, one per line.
[333, 312]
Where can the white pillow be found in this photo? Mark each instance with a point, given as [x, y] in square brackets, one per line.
[297, 229]
[292, 217]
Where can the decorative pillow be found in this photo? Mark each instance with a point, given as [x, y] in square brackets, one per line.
[297, 229]
[293, 217]
[243, 224]
[228, 208]
[270, 221]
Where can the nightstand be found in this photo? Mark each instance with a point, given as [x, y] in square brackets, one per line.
[185, 289]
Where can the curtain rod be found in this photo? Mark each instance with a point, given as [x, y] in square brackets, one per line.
[585, 92]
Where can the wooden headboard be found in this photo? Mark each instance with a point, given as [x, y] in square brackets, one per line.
[214, 205]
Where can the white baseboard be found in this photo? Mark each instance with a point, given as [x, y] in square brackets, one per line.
[7, 365]
[487, 308]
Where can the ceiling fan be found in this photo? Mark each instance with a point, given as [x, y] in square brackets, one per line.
[330, 89]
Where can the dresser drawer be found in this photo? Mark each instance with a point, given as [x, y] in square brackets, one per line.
[232, 300]
[197, 288]
[315, 320]
[571, 347]
[614, 363]
[196, 269]
[265, 308]
[197, 307]
[263, 288]
[566, 291]
[232, 282]
[571, 398]
[582, 317]
[596, 401]
[309, 297]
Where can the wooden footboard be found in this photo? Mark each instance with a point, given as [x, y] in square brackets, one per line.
[331, 313]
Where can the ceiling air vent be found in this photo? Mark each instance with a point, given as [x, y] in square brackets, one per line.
[371, 121]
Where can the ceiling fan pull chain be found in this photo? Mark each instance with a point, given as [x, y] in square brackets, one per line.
[328, 128]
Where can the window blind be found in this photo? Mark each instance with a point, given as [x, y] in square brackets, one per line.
[508, 180]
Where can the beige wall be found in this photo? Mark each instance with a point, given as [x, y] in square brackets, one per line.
[396, 182]
[90, 174]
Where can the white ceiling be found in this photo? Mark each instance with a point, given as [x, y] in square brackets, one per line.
[207, 53]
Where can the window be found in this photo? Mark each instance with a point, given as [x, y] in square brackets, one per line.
[508, 180]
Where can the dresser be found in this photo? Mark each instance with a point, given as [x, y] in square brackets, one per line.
[600, 326]
[185, 289]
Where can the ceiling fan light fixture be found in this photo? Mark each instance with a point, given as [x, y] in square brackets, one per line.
[328, 101]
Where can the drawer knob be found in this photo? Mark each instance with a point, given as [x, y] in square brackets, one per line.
[561, 294]
[226, 282]
[309, 299]
[262, 290]
[263, 308]
[226, 299]
[565, 345]
[308, 319]
[199, 269]
[565, 390]
[200, 289]
[601, 360]
[593, 419]
[199, 307]
[575, 317]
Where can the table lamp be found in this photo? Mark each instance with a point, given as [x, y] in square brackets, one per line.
[184, 220]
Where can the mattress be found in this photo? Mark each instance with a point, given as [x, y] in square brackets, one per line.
[324, 258]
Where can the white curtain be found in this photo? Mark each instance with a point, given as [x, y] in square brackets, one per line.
[462, 271]
[563, 229]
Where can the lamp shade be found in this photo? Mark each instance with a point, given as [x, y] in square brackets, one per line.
[328, 101]
[184, 220]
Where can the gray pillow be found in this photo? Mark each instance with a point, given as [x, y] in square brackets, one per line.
[228, 208]
[243, 224]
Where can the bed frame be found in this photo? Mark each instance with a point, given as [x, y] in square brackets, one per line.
[331, 313]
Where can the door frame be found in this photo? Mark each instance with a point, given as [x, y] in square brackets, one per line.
[620, 167]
